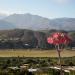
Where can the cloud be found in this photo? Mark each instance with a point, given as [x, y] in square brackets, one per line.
[62, 1]
[5, 13]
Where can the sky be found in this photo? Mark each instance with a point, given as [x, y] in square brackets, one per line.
[45, 8]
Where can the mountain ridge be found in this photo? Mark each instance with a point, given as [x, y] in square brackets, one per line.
[35, 22]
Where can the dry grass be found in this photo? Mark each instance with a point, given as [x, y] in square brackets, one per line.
[35, 53]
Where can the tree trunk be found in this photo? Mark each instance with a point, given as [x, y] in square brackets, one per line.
[59, 56]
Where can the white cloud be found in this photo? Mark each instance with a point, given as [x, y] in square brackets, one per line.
[2, 14]
[6, 13]
[62, 1]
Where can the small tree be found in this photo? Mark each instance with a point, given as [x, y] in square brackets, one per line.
[57, 39]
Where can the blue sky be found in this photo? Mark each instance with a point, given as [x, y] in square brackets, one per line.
[45, 8]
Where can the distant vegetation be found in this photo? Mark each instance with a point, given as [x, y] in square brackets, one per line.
[23, 39]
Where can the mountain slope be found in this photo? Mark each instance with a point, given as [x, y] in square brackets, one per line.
[28, 21]
[34, 22]
[6, 25]
[64, 23]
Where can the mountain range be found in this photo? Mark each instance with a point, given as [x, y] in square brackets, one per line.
[35, 22]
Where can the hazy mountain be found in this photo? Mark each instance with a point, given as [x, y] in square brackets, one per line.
[28, 21]
[35, 22]
[64, 23]
[6, 25]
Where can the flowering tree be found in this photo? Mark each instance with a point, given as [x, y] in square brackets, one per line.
[57, 39]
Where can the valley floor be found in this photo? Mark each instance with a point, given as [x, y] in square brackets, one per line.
[35, 53]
